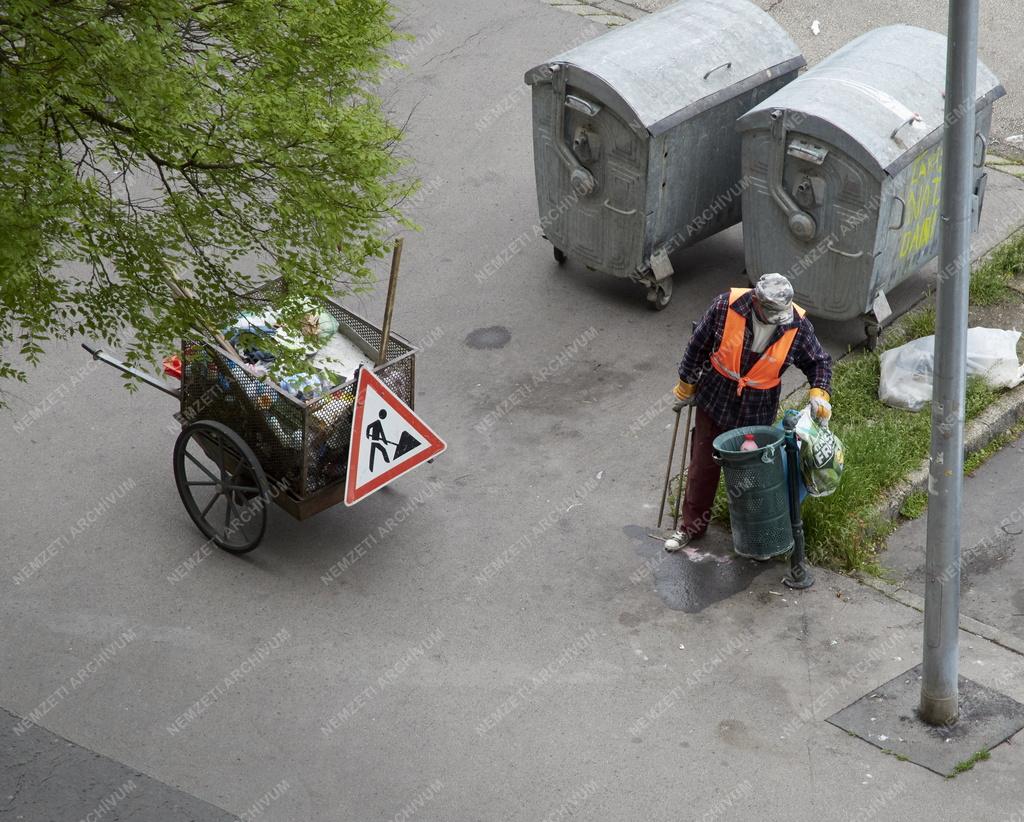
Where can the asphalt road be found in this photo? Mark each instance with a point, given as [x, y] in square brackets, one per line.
[501, 647]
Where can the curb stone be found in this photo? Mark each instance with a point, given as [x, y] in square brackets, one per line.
[968, 624]
[1007, 165]
[610, 20]
[995, 420]
[620, 8]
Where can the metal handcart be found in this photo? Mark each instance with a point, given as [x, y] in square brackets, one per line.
[245, 442]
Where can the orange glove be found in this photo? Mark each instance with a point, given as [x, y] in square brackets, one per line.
[821, 407]
[685, 394]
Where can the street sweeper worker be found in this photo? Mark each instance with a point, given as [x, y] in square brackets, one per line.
[731, 374]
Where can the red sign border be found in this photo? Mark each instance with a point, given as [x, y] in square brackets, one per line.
[436, 445]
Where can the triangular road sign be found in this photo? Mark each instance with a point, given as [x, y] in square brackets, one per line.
[388, 439]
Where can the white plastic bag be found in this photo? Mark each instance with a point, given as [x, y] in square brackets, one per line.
[906, 380]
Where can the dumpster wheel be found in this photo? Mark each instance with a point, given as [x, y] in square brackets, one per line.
[560, 256]
[873, 332]
[659, 295]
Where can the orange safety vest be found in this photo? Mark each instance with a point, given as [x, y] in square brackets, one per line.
[765, 372]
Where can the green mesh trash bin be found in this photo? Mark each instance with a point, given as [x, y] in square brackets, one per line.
[755, 482]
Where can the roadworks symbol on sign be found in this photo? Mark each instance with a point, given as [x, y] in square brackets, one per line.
[388, 439]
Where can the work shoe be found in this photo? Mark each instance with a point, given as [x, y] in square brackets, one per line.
[679, 539]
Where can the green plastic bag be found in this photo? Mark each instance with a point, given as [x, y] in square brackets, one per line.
[822, 457]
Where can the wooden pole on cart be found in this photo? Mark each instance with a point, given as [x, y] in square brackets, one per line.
[389, 305]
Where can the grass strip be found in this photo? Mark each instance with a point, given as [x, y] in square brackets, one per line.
[914, 505]
[883, 445]
[990, 282]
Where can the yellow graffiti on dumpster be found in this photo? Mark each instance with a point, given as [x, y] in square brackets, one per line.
[923, 203]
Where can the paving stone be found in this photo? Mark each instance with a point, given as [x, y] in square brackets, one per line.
[886, 717]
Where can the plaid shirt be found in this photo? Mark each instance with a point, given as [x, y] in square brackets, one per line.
[716, 394]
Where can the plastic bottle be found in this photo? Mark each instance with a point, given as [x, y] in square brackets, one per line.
[749, 443]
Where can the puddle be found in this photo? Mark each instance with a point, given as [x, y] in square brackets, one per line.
[699, 575]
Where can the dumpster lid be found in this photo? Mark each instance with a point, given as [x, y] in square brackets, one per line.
[669, 66]
[868, 90]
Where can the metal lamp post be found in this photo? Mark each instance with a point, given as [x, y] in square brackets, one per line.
[939, 691]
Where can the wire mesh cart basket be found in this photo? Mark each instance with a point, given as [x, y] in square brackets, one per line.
[245, 441]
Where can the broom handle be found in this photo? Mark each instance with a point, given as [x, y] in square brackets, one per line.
[687, 445]
[668, 470]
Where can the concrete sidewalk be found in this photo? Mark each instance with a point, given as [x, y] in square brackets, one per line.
[992, 570]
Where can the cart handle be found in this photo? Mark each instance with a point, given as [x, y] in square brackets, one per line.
[127, 369]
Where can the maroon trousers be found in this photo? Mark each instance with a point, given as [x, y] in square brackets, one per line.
[702, 476]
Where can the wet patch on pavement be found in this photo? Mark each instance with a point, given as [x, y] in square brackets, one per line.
[700, 575]
[494, 336]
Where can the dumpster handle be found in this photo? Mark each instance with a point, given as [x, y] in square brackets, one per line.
[581, 179]
[610, 207]
[912, 119]
[984, 148]
[849, 254]
[716, 68]
[801, 224]
[581, 105]
[903, 213]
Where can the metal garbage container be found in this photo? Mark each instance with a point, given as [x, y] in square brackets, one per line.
[634, 141]
[755, 483]
[845, 169]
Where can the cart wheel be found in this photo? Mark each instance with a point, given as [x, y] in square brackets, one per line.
[560, 257]
[222, 485]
